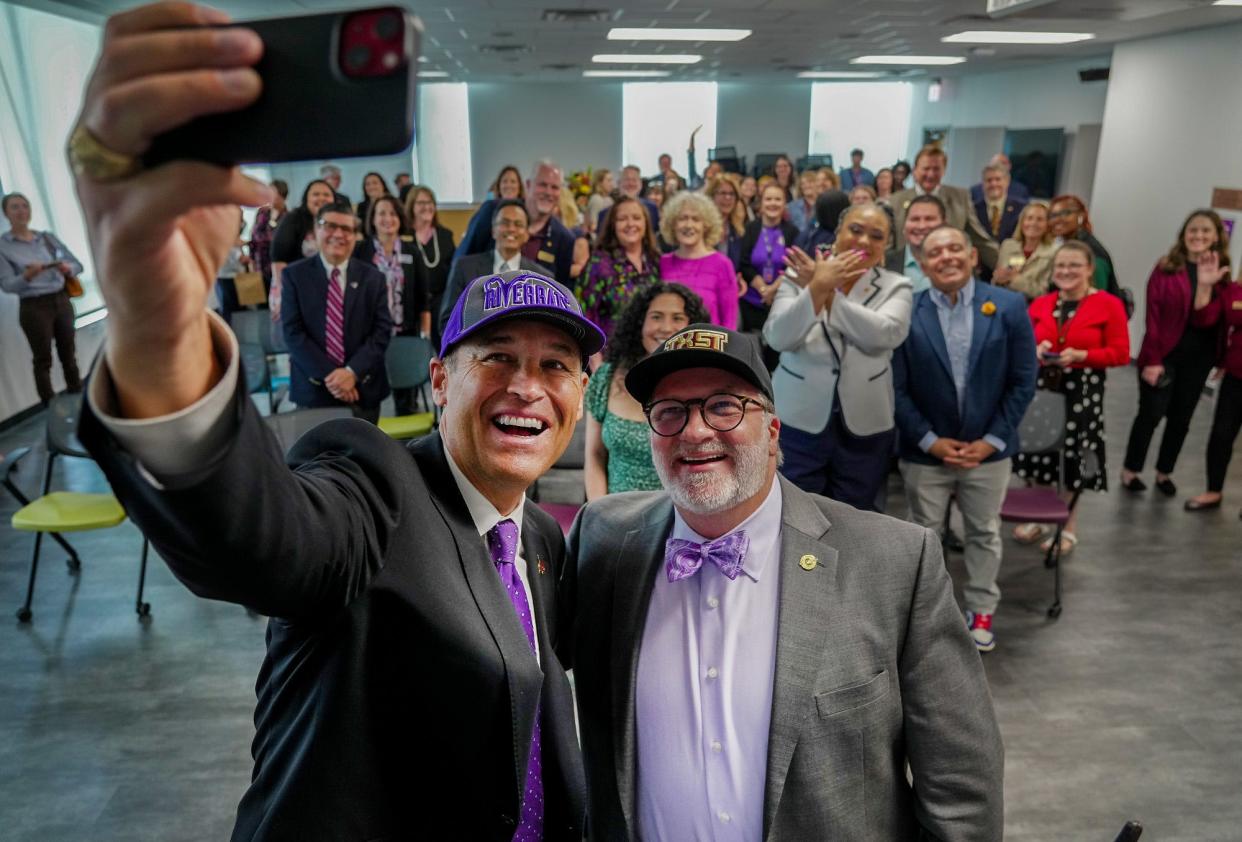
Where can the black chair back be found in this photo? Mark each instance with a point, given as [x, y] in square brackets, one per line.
[408, 360]
[1042, 429]
[291, 426]
[62, 426]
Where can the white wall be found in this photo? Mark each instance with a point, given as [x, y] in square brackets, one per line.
[758, 118]
[578, 125]
[1046, 96]
[1171, 129]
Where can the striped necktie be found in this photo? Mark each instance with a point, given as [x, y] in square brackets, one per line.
[995, 220]
[334, 327]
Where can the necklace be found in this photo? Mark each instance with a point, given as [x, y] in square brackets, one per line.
[435, 247]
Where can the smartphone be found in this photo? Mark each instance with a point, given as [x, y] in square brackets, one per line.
[335, 85]
[1049, 355]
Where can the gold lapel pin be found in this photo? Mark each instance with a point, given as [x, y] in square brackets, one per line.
[808, 562]
[540, 565]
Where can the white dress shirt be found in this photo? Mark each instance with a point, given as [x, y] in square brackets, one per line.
[499, 264]
[704, 692]
[328, 267]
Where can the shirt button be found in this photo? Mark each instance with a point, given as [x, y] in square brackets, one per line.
[716, 746]
[713, 602]
[724, 817]
[711, 672]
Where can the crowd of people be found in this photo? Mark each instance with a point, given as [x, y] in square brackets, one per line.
[751, 657]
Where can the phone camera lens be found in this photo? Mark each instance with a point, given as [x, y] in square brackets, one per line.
[358, 56]
[386, 27]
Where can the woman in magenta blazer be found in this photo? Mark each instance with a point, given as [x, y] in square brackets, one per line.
[1079, 332]
[1216, 304]
[1176, 356]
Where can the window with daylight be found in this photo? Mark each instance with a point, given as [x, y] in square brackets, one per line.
[658, 117]
[871, 116]
[442, 153]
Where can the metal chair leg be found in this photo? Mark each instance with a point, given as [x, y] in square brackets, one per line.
[1053, 560]
[143, 608]
[24, 613]
[74, 562]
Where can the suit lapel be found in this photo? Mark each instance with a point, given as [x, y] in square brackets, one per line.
[353, 292]
[535, 549]
[489, 595]
[638, 561]
[982, 324]
[317, 316]
[929, 323]
[806, 612]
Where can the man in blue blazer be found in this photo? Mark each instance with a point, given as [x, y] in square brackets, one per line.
[997, 210]
[856, 174]
[1015, 190]
[327, 369]
[962, 381]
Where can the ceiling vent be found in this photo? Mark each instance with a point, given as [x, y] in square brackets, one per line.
[504, 49]
[576, 15]
[560, 65]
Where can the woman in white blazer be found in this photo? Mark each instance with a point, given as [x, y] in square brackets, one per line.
[835, 321]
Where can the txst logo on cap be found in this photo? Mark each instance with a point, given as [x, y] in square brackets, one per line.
[522, 291]
[707, 340]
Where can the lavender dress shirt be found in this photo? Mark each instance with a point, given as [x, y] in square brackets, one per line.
[704, 692]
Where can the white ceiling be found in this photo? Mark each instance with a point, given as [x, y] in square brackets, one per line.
[789, 35]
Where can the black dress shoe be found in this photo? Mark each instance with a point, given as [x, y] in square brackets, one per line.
[1166, 487]
[1193, 505]
[953, 542]
[1134, 484]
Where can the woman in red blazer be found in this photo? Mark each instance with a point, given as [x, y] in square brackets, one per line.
[1079, 332]
[1176, 356]
[1216, 304]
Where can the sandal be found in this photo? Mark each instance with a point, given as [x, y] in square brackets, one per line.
[1068, 541]
[1030, 533]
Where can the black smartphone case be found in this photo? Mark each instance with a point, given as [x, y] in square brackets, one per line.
[309, 109]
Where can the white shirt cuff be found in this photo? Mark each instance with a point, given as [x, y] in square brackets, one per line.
[927, 441]
[995, 442]
[187, 440]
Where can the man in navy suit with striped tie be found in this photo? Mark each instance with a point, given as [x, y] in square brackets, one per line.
[336, 322]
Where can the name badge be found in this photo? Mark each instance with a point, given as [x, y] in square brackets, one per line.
[546, 257]
[405, 258]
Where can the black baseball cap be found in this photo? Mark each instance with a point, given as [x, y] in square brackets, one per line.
[700, 346]
[517, 294]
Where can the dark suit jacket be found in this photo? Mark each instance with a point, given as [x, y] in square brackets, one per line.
[398, 694]
[466, 270]
[1017, 192]
[895, 260]
[415, 298]
[1008, 220]
[1000, 379]
[368, 329]
[557, 243]
[874, 670]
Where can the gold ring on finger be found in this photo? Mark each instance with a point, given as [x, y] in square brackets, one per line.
[90, 158]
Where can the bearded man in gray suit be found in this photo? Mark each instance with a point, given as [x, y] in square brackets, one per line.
[753, 662]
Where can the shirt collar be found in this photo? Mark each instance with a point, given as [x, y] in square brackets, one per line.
[482, 512]
[763, 527]
[919, 189]
[497, 260]
[964, 296]
[910, 258]
[328, 267]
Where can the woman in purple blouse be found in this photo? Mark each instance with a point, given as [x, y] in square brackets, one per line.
[763, 257]
[692, 222]
[626, 261]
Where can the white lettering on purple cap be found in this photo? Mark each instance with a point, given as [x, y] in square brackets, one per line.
[523, 291]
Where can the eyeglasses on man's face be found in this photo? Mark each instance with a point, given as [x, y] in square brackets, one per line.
[722, 412]
[336, 227]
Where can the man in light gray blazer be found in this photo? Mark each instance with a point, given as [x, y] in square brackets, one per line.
[757, 663]
[959, 210]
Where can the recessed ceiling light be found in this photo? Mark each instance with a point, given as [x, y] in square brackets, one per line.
[665, 34]
[839, 74]
[1228, 3]
[432, 74]
[908, 60]
[997, 37]
[655, 58]
[619, 74]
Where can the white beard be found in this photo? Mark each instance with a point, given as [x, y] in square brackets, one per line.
[709, 493]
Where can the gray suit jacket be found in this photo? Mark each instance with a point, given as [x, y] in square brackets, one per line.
[960, 213]
[874, 671]
[465, 270]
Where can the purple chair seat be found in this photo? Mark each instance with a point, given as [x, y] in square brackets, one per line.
[563, 512]
[1034, 505]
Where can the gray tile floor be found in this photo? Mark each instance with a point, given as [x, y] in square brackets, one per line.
[1128, 706]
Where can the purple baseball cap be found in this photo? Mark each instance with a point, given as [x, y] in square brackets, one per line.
[518, 294]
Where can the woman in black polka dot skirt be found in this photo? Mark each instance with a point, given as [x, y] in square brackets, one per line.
[1080, 331]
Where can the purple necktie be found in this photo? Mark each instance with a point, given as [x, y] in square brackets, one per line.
[334, 327]
[502, 541]
[683, 558]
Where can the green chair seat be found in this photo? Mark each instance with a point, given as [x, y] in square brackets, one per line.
[408, 426]
[69, 511]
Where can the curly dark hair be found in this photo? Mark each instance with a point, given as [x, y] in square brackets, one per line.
[608, 231]
[625, 346]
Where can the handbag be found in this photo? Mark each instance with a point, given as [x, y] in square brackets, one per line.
[73, 284]
[250, 289]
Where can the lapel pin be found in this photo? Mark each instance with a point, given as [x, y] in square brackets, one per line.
[541, 565]
[808, 562]
[988, 308]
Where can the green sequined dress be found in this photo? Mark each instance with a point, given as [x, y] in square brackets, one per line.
[628, 442]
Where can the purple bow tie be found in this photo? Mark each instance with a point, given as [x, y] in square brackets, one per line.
[683, 559]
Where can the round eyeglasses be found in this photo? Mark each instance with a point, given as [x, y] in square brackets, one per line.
[722, 412]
